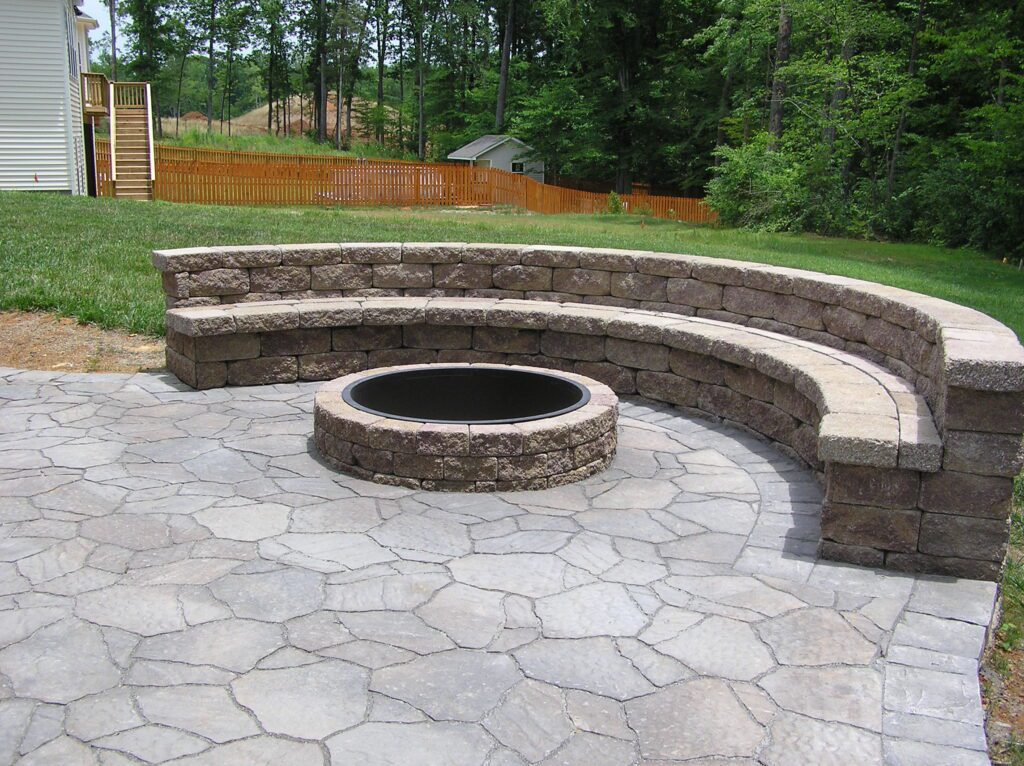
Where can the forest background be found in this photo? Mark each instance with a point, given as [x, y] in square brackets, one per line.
[888, 119]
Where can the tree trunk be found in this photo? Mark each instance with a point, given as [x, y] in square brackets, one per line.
[890, 181]
[321, 101]
[177, 105]
[210, 80]
[723, 112]
[623, 143]
[778, 84]
[381, 52]
[341, 89]
[506, 55]
[421, 138]
[839, 92]
[112, 5]
[401, 78]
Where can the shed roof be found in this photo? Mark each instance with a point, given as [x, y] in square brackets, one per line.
[482, 145]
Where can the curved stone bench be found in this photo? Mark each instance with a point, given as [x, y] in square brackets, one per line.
[892, 497]
[878, 378]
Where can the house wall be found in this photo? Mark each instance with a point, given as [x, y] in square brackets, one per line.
[37, 117]
[504, 155]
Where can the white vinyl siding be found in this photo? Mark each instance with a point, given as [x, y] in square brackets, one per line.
[36, 119]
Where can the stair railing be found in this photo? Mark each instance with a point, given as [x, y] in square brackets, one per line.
[130, 95]
[113, 135]
[149, 131]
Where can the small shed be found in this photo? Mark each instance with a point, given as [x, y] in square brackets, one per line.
[502, 152]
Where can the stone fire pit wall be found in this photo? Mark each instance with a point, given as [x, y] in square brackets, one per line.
[536, 454]
[931, 495]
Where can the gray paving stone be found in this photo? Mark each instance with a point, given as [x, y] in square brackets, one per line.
[843, 695]
[742, 592]
[412, 744]
[693, 719]
[637, 493]
[531, 720]
[720, 647]
[909, 753]
[153, 744]
[459, 685]
[601, 609]
[928, 692]
[597, 714]
[423, 533]
[246, 522]
[816, 637]
[258, 751]
[589, 664]
[797, 739]
[967, 600]
[146, 610]
[307, 702]
[699, 538]
[60, 663]
[207, 711]
[528, 574]
[397, 629]
[330, 552]
[939, 634]
[270, 596]
[586, 749]
[231, 644]
[63, 750]
[469, 616]
[936, 731]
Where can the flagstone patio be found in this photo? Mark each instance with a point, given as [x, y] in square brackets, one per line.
[183, 581]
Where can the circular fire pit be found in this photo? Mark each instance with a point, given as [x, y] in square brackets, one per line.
[469, 428]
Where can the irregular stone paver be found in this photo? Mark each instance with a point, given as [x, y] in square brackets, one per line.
[693, 719]
[796, 739]
[460, 685]
[845, 695]
[601, 609]
[722, 647]
[60, 663]
[307, 702]
[258, 751]
[816, 637]
[270, 596]
[203, 710]
[531, 720]
[590, 664]
[411, 744]
[181, 580]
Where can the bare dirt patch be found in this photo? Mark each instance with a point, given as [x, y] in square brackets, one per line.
[35, 341]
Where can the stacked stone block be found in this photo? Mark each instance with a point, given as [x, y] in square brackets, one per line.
[870, 377]
[538, 454]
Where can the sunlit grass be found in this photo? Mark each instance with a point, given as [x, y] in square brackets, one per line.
[89, 258]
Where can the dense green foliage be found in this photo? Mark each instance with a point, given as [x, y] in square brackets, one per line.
[898, 119]
[102, 273]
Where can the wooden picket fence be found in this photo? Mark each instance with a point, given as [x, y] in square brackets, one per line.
[217, 177]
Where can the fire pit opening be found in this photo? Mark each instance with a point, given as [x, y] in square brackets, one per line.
[464, 394]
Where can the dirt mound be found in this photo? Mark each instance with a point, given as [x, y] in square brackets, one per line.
[193, 116]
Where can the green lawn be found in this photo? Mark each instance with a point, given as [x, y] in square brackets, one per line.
[89, 258]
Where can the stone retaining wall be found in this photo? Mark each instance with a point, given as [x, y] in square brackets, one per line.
[960, 360]
[896, 495]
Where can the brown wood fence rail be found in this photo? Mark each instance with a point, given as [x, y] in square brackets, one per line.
[216, 177]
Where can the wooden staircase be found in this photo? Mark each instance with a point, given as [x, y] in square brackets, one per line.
[131, 140]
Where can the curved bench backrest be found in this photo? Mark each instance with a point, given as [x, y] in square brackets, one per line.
[963, 362]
